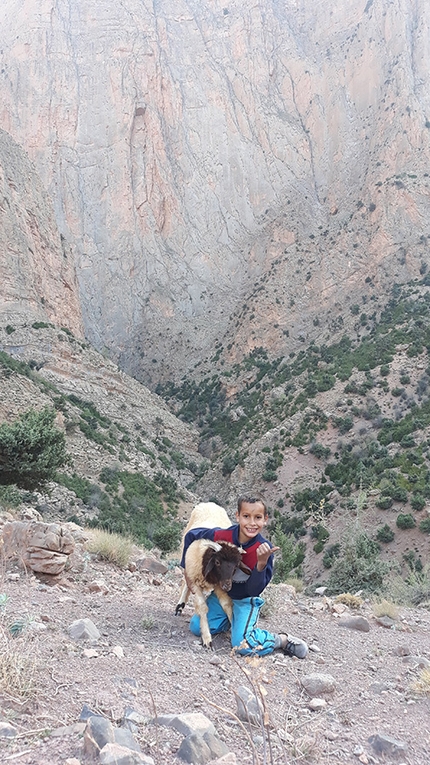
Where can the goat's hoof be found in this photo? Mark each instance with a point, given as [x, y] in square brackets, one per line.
[179, 608]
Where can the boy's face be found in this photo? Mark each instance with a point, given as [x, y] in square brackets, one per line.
[251, 519]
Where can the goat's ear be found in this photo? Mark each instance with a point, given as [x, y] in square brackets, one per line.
[244, 568]
[209, 566]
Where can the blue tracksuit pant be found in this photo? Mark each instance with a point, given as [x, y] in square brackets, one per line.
[246, 637]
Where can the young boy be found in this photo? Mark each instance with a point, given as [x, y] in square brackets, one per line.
[257, 555]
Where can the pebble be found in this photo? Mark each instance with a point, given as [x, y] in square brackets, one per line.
[317, 704]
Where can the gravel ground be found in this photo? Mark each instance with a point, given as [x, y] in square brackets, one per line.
[147, 659]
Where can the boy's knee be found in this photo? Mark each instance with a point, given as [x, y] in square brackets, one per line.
[195, 625]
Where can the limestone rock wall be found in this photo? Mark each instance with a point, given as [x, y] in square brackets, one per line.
[195, 149]
[37, 271]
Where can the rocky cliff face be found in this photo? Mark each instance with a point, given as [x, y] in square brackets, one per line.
[37, 274]
[206, 156]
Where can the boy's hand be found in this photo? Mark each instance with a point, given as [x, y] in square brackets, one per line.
[264, 551]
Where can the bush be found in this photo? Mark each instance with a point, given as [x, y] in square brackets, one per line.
[418, 502]
[31, 450]
[385, 534]
[358, 566]
[114, 548]
[405, 521]
[167, 537]
[320, 451]
[414, 589]
[384, 502]
[399, 494]
[330, 555]
[292, 555]
[425, 526]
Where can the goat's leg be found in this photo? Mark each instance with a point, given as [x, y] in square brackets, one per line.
[183, 598]
[225, 602]
[202, 611]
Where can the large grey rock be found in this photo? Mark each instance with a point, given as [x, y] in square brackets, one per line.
[194, 749]
[383, 744]
[155, 566]
[217, 747]
[187, 723]
[99, 731]
[249, 708]
[125, 738]
[83, 629]
[318, 683]
[114, 754]
[359, 623]
[7, 730]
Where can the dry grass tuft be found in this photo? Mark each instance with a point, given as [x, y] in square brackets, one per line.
[293, 581]
[413, 591]
[385, 608]
[111, 547]
[352, 601]
[422, 685]
[17, 667]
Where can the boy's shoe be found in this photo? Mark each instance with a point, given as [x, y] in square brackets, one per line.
[295, 647]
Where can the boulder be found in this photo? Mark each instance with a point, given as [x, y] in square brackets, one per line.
[42, 547]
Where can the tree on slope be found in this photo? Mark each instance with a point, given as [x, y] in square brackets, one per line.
[31, 450]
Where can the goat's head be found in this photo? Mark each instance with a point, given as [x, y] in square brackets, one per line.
[219, 563]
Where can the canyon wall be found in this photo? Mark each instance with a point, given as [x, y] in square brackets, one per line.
[206, 156]
[37, 273]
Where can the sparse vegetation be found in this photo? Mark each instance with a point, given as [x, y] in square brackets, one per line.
[31, 450]
[385, 608]
[17, 666]
[111, 547]
[352, 601]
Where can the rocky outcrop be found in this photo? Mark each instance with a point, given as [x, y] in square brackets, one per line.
[37, 273]
[208, 158]
[42, 547]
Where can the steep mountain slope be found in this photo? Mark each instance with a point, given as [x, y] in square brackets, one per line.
[37, 271]
[204, 157]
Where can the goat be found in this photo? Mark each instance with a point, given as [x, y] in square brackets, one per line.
[209, 566]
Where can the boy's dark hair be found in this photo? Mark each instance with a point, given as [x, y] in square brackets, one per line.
[252, 499]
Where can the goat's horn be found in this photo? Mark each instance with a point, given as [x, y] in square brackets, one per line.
[214, 546]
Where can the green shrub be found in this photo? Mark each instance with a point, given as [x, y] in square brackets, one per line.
[167, 537]
[384, 502]
[330, 555]
[291, 555]
[358, 566]
[10, 496]
[425, 525]
[31, 450]
[399, 494]
[343, 424]
[418, 502]
[270, 476]
[320, 451]
[405, 521]
[9, 329]
[385, 534]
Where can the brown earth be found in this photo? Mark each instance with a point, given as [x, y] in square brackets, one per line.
[164, 669]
